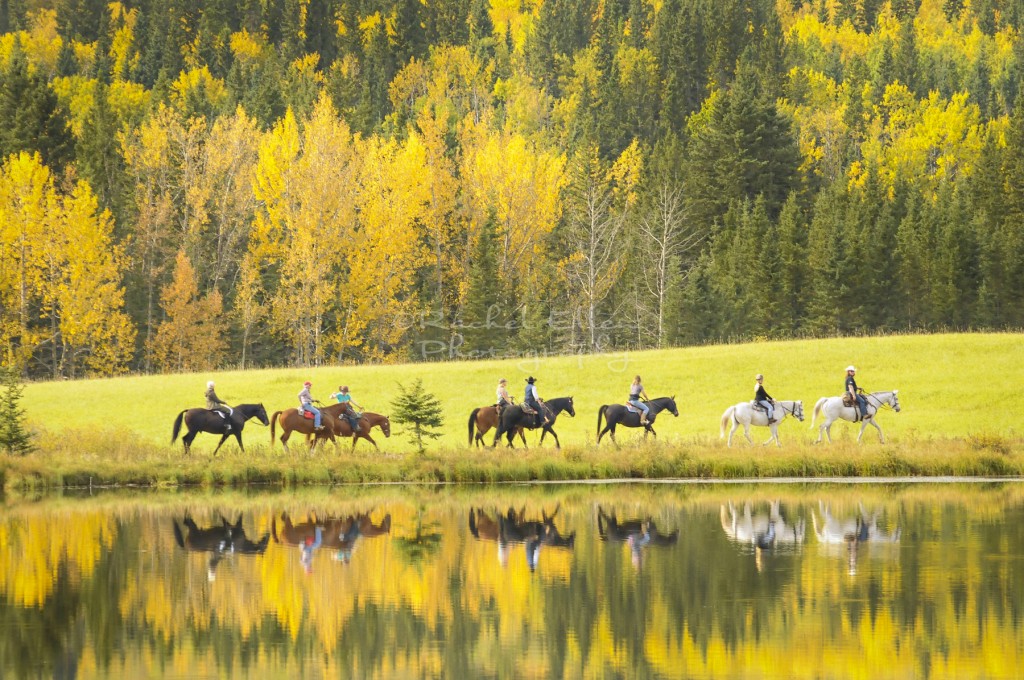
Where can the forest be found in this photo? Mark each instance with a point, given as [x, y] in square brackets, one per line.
[195, 185]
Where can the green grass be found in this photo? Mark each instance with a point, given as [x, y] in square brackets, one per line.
[961, 415]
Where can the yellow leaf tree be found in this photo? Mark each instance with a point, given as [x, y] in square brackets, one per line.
[191, 337]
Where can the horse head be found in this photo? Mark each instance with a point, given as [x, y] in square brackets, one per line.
[385, 426]
[798, 410]
[895, 401]
[570, 409]
[261, 413]
[671, 406]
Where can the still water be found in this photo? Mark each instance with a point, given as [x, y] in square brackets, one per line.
[616, 580]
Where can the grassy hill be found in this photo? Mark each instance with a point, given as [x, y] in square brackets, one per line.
[950, 386]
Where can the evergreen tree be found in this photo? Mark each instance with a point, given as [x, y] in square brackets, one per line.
[14, 436]
[32, 119]
[421, 410]
[484, 318]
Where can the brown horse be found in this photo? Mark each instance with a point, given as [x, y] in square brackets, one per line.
[367, 421]
[484, 418]
[291, 421]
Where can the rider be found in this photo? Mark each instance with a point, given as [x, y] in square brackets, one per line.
[503, 399]
[534, 401]
[636, 390]
[763, 398]
[214, 403]
[851, 387]
[344, 397]
[306, 403]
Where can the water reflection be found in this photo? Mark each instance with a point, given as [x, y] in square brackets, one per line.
[638, 534]
[220, 540]
[335, 535]
[852, 533]
[763, 530]
[514, 528]
[611, 581]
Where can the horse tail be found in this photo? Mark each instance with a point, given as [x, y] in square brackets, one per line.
[273, 423]
[177, 426]
[600, 413]
[726, 417]
[472, 421]
[817, 408]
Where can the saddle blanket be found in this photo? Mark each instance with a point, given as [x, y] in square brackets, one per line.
[308, 415]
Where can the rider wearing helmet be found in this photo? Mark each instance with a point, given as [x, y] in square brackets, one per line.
[215, 404]
[851, 387]
[763, 398]
[306, 403]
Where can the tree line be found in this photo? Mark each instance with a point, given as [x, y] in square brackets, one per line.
[188, 186]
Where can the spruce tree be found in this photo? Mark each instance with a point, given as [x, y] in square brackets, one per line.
[14, 436]
[419, 409]
[484, 318]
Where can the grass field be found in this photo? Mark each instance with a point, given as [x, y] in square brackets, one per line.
[957, 391]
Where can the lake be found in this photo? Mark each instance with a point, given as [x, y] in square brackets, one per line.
[659, 580]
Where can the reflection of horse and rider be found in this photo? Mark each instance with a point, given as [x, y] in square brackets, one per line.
[513, 528]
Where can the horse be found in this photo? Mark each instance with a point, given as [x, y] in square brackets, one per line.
[513, 417]
[513, 527]
[746, 414]
[204, 420]
[291, 421]
[367, 421]
[618, 414]
[221, 540]
[484, 418]
[832, 409]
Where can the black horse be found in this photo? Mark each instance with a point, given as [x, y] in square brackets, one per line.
[513, 418]
[204, 420]
[618, 414]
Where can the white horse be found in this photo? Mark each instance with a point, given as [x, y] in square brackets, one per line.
[745, 413]
[832, 409]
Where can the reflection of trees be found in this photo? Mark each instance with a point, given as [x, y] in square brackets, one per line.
[422, 545]
[127, 602]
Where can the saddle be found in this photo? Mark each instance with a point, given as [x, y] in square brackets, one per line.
[758, 407]
[527, 410]
[848, 399]
[631, 408]
[308, 415]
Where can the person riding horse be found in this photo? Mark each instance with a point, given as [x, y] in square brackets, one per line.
[534, 402]
[854, 391]
[503, 398]
[344, 397]
[215, 404]
[763, 398]
[636, 390]
[306, 404]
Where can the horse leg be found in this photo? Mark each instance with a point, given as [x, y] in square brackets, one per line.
[237, 431]
[368, 438]
[558, 444]
[285, 434]
[187, 440]
[223, 439]
[746, 433]
[735, 426]
[881, 437]
[522, 435]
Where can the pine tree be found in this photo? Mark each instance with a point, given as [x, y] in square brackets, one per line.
[484, 318]
[14, 436]
[421, 410]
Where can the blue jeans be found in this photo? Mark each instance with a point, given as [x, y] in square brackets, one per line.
[768, 406]
[316, 413]
[863, 404]
[636, 403]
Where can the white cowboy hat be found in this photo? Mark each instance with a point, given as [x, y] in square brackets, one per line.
[851, 368]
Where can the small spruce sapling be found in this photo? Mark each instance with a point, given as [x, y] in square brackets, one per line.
[419, 409]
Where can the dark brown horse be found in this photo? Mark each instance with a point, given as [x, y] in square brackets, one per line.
[483, 419]
[291, 421]
[204, 420]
